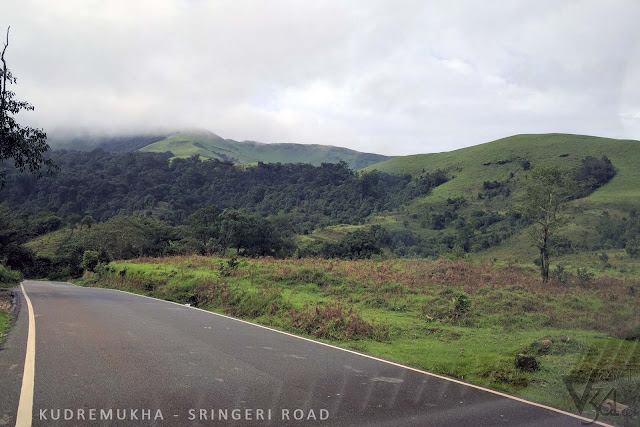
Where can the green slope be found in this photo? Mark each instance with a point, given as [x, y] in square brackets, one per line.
[498, 159]
[211, 146]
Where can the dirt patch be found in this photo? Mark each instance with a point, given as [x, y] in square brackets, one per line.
[6, 299]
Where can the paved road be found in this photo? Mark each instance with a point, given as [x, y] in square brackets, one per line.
[108, 350]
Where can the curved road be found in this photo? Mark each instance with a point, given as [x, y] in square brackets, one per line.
[106, 354]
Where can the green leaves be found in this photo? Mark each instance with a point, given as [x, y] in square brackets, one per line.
[23, 144]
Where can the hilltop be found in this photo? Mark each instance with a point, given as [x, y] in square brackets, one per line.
[208, 145]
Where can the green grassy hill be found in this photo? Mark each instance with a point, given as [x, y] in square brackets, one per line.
[495, 161]
[505, 160]
[211, 146]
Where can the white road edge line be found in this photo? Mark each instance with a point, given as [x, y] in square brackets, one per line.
[431, 374]
[25, 406]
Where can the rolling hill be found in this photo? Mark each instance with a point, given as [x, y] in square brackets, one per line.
[497, 160]
[211, 146]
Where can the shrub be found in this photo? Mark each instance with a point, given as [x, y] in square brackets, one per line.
[584, 277]
[630, 331]
[560, 275]
[491, 185]
[460, 306]
[633, 248]
[89, 260]
[331, 321]
[256, 304]
[9, 277]
[226, 268]
[360, 244]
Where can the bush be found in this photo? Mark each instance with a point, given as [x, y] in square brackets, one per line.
[584, 277]
[331, 321]
[256, 304]
[460, 306]
[491, 185]
[633, 248]
[560, 275]
[226, 268]
[89, 260]
[9, 277]
[629, 332]
[360, 244]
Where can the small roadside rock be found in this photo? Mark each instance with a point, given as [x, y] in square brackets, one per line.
[6, 299]
[526, 363]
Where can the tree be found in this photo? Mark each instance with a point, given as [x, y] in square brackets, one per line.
[547, 192]
[87, 221]
[205, 223]
[25, 145]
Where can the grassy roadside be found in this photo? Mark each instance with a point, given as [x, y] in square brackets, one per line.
[462, 320]
[4, 324]
[8, 278]
[5, 305]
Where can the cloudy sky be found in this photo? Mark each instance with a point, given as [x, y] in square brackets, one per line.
[393, 77]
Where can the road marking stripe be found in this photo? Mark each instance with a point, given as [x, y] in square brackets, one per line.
[431, 374]
[25, 407]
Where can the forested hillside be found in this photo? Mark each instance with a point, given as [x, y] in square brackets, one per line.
[102, 185]
[123, 205]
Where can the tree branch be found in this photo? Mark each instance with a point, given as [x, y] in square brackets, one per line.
[3, 94]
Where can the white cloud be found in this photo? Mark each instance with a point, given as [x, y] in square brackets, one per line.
[390, 77]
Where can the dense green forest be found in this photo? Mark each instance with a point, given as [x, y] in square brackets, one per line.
[122, 205]
[103, 185]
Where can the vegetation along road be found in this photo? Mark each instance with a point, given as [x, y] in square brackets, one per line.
[103, 353]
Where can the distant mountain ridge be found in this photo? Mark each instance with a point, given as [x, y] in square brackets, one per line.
[208, 145]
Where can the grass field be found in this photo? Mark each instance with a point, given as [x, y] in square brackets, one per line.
[464, 320]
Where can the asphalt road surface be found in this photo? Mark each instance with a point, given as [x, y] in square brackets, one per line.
[124, 359]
